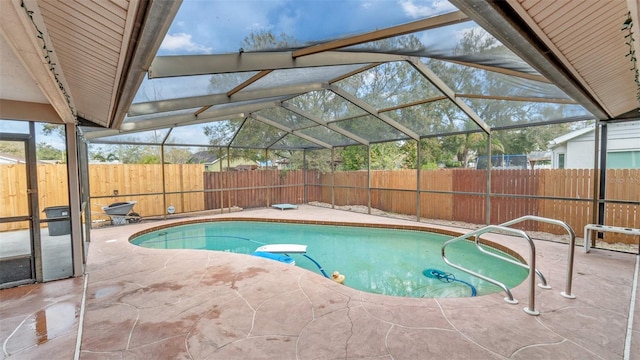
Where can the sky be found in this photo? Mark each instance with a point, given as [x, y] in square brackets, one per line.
[220, 26]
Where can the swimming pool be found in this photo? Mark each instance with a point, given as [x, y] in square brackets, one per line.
[376, 260]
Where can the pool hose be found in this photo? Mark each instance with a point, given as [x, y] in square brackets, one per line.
[318, 265]
[447, 277]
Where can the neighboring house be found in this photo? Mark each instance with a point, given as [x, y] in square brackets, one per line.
[575, 150]
[11, 159]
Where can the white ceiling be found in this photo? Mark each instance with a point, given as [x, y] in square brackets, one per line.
[85, 59]
[15, 82]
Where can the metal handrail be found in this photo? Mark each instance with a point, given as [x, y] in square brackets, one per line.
[572, 242]
[505, 227]
[532, 263]
[543, 280]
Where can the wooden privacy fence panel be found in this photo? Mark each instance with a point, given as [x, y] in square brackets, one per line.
[314, 190]
[253, 188]
[143, 183]
[571, 188]
[624, 185]
[468, 207]
[514, 182]
[52, 191]
[350, 188]
[566, 183]
[436, 206]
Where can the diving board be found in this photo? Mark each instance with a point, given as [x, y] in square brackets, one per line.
[284, 206]
[283, 248]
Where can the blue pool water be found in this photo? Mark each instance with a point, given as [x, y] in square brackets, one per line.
[383, 261]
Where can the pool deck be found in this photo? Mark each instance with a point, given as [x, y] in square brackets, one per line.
[191, 304]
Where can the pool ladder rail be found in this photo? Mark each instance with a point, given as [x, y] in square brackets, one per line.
[504, 227]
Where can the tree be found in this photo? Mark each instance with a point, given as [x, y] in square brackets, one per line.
[12, 148]
[390, 87]
[45, 151]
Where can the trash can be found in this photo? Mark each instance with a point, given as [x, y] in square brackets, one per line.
[58, 227]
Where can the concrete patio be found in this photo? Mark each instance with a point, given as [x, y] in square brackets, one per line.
[190, 304]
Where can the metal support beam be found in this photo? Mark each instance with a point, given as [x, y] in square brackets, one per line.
[333, 180]
[153, 107]
[523, 43]
[290, 131]
[369, 179]
[371, 110]
[418, 160]
[601, 168]
[74, 200]
[190, 65]
[305, 198]
[487, 207]
[446, 90]
[164, 183]
[420, 25]
[319, 121]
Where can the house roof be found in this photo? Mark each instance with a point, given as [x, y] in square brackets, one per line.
[570, 136]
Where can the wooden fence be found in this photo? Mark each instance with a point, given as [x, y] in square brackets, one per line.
[459, 195]
[255, 188]
[446, 194]
[143, 183]
[52, 185]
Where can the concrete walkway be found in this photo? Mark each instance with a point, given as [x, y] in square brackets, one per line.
[192, 304]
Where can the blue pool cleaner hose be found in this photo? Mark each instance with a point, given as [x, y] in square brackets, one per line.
[318, 265]
[447, 277]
